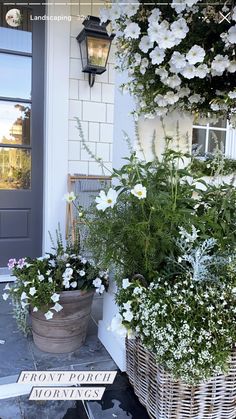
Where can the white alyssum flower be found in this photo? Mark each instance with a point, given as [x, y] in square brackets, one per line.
[69, 197]
[232, 94]
[49, 315]
[57, 307]
[232, 35]
[195, 55]
[32, 291]
[125, 283]
[117, 326]
[220, 63]
[108, 200]
[139, 191]
[55, 297]
[132, 31]
[180, 28]
[145, 44]
[5, 296]
[97, 282]
[157, 55]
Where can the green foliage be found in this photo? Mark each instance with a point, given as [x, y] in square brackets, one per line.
[208, 167]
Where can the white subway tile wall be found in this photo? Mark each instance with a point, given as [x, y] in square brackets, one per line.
[93, 106]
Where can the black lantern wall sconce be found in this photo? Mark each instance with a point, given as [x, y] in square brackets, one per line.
[95, 44]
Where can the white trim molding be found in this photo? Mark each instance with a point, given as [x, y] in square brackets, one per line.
[56, 119]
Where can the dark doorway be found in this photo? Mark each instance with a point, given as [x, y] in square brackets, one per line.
[21, 134]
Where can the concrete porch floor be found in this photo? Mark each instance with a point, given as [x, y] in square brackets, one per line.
[18, 353]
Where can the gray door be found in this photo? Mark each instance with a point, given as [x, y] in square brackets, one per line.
[21, 136]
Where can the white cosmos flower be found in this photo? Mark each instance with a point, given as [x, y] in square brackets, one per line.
[128, 315]
[131, 9]
[5, 296]
[49, 315]
[69, 197]
[97, 282]
[105, 201]
[177, 61]
[232, 94]
[195, 55]
[145, 44]
[139, 191]
[180, 28]
[232, 35]
[189, 72]
[82, 273]
[55, 297]
[220, 63]
[125, 283]
[201, 71]
[157, 55]
[35, 309]
[117, 326]
[32, 291]
[132, 31]
[232, 67]
[57, 307]
[23, 296]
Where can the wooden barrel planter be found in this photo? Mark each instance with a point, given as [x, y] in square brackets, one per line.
[165, 398]
[66, 331]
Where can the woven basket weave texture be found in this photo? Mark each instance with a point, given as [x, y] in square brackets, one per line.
[165, 398]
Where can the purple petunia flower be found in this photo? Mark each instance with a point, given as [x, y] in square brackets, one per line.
[21, 263]
[11, 263]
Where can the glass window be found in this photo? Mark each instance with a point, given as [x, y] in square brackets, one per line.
[199, 140]
[15, 123]
[15, 76]
[216, 140]
[15, 168]
[15, 40]
[207, 138]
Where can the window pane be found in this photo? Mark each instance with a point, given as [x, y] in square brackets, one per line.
[199, 141]
[15, 123]
[15, 76]
[15, 168]
[216, 140]
[15, 40]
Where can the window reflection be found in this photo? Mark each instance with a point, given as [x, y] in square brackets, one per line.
[15, 123]
[15, 168]
[15, 40]
[15, 76]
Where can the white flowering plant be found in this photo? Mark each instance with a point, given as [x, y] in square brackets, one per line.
[40, 281]
[179, 55]
[187, 316]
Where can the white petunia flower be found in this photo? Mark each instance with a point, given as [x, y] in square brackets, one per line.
[82, 273]
[73, 284]
[100, 290]
[189, 72]
[127, 305]
[128, 315]
[125, 283]
[49, 315]
[160, 101]
[115, 12]
[214, 107]
[232, 67]
[105, 201]
[5, 296]
[232, 35]
[83, 261]
[117, 326]
[155, 15]
[23, 296]
[67, 274]
[157, 55]
[41, 278]
[171, 98]
[145, 44]
[179, 5]
[104, 14]
[194, 98]
[55, 297]
[57, 307]
[220, 63]
[132, 31]
[32, 291]
[97, 282]
[195, 55]
[180, 28]
[35, 309]
[183, 92]
[50, 280]
[173, 81]
[166, 39]
[232, 94]
[69, 197]
[201, 71]
[139, 191]
[178, 61]
[131, 9]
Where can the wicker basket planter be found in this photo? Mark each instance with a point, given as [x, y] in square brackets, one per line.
[168, 399]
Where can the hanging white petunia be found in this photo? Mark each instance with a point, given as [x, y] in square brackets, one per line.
[157, 55]
[132, 31]
[145, 44]
[195, 55]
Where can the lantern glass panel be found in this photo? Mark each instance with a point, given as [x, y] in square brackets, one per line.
[83, 50]
[98, 50]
